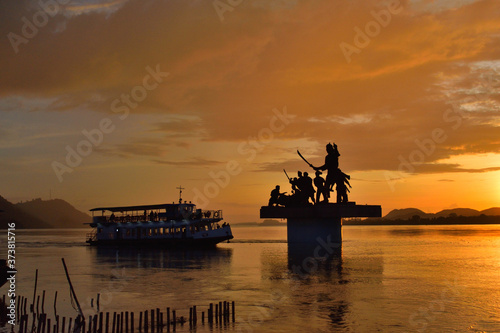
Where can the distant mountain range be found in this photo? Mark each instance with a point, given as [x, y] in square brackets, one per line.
[408, 213]
[414, 216]
[40, 213]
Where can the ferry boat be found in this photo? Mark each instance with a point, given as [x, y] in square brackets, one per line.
[166, 225]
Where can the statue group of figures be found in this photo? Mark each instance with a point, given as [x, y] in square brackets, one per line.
[303, 191]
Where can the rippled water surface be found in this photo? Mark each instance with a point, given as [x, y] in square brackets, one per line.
[384, 279]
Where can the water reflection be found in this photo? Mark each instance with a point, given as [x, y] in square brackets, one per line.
[317, 259]
[161, 258]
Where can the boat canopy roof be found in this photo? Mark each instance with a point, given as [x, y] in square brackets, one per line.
[141, 207]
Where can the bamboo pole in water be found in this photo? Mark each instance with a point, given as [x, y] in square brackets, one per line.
[107, 323]
[118, 321]
[55, 304]
[43, 302]
[152, 321]
[34, 293]
[121, 322]
[113, 326]
[126, 321]
[72, 290]
[17, 307]
[168, 319]
[174, 320]
[195, 316]
[158, 322]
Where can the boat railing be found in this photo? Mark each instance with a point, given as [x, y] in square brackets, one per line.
[92, 236]
[212, 214]
[124, 218]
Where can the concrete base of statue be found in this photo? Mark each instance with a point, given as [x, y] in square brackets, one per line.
[307, 224]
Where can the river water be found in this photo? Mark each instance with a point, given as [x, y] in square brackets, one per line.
[384, 279]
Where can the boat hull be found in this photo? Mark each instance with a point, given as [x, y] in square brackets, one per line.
[164, 242]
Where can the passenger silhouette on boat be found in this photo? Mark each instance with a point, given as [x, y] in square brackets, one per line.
[112, 217]
[331, 164]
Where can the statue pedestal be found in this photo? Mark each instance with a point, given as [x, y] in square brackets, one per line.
[306, 224]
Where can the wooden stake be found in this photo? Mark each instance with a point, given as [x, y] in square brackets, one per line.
[152, 321]
[43, 303]
[55, 304]
[100, 322]
[113, 326]
[121, 322]
[72, 290]
[106, 329]
[32, 308]
[168, 319]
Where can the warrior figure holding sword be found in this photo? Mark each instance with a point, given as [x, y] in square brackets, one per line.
[331, 165]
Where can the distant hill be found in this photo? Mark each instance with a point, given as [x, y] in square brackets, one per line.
[12, 213]
[458, 212]
[409, 213]
[56, 213]
[404, 214]
[491, 211]
[271, 223]
[414, 216]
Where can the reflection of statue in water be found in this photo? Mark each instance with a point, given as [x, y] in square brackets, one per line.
[275, 194]
[319, 182]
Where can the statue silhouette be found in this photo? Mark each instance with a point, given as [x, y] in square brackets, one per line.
[275, 194]
[321, 189]
[308, 188]
[341, 180]
[331, 164]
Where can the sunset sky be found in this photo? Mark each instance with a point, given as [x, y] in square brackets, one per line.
[108, 103]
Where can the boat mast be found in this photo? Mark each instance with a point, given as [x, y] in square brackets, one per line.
[180, 188]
